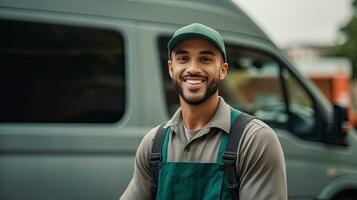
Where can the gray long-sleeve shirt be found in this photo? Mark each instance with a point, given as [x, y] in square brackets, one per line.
[261, 164]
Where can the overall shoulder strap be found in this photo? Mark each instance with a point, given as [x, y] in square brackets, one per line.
[230, 155]
[156, 158]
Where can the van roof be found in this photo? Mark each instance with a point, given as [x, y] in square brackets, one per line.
[222, 15]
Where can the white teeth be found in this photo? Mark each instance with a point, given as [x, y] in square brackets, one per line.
[194, 81]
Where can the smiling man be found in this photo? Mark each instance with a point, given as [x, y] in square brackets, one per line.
[190, 81]
[207, 150]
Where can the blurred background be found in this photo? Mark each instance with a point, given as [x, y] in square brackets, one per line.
[319, 37]
[82, 81]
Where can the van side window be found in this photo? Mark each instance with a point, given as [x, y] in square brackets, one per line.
[257, 84]
[301, 110]
[59, 73]
[253, 85]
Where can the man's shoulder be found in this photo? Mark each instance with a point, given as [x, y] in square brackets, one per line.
[258, 131]
[256, 123]
[150, 135]
[257, 138]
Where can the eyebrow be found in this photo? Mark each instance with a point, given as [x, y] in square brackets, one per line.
[181, 52]
[207, 52]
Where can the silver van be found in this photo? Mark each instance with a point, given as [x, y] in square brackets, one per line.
[82, 81]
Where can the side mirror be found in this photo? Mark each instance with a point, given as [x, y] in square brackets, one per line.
[340, 126]
[341, 123]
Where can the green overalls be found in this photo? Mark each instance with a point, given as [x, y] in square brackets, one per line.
[194, 181]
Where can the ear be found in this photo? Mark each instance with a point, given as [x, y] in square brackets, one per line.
[223, 71]
[169, 64]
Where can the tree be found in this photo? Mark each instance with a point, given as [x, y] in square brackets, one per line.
[349, 47]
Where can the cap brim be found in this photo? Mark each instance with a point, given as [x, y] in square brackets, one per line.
[177, 39]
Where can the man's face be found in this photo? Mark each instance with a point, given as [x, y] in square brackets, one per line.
[197, 67]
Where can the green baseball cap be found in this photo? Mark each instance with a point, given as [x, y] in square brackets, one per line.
[200, 31]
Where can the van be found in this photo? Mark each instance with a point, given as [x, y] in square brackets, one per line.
[82, 81]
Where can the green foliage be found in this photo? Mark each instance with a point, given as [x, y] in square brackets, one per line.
[349, 47]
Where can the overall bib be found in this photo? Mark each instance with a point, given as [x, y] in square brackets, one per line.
[194, 181]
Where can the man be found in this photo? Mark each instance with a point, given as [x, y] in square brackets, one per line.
[191, 165]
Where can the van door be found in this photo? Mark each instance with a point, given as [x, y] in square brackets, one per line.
[260, 84]
[68, 106]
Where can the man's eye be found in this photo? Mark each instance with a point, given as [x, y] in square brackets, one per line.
[182, 59]
[206, 59]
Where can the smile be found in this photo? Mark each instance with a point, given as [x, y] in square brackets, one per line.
[194, 83]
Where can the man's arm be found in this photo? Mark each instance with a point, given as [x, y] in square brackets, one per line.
[140, 185]
[261, 164]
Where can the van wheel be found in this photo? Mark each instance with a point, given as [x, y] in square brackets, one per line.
[350, 194]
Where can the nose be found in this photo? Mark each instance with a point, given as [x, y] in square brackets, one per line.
[193, 68]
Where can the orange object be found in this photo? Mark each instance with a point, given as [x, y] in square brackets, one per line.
[337, 89]
[332, 77]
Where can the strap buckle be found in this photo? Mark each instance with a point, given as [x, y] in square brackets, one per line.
[229, 157]
[155, 158]
[233, 186]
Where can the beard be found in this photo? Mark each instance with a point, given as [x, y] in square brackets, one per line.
[211, 89]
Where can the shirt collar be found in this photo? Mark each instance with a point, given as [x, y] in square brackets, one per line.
[175, 119]
[221, 119]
